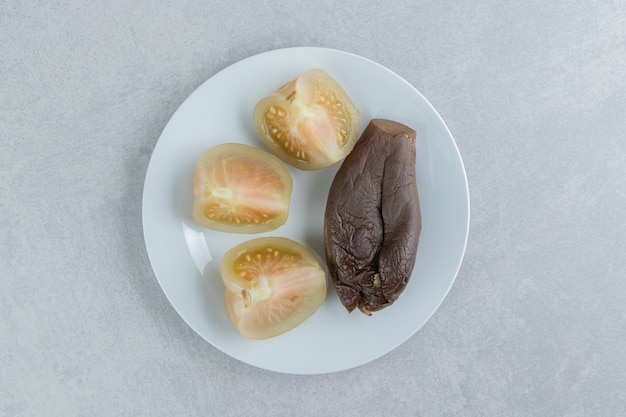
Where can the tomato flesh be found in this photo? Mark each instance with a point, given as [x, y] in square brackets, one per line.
[310, 122]
[241, 189]
[271, 286]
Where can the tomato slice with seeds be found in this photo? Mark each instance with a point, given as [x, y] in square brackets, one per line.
[272, 285]
[310, 122]
[241, 189]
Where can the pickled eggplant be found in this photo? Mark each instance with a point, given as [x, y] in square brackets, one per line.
[372, 221]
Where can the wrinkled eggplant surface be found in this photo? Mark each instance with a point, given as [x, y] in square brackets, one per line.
[372, 221]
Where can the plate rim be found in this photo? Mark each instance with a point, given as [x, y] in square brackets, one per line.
[326, 50]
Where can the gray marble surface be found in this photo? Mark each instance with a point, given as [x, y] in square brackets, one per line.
[535, 95]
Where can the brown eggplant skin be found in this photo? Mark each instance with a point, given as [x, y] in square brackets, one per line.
[372, 221]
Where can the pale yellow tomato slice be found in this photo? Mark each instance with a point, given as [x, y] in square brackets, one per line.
[310, 122]
[241, 189]
[272, 285]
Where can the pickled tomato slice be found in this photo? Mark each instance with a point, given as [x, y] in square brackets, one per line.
[309, 122]
[241, 189]
[271, 286]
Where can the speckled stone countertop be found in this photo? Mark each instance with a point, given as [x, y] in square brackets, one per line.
[535, 96]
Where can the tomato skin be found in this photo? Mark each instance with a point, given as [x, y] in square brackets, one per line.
[309, 122]
[241, 189]
[272, 285]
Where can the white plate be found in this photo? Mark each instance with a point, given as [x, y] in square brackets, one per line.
[186, 258]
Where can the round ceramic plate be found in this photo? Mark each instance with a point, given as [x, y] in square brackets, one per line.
[185, 257]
